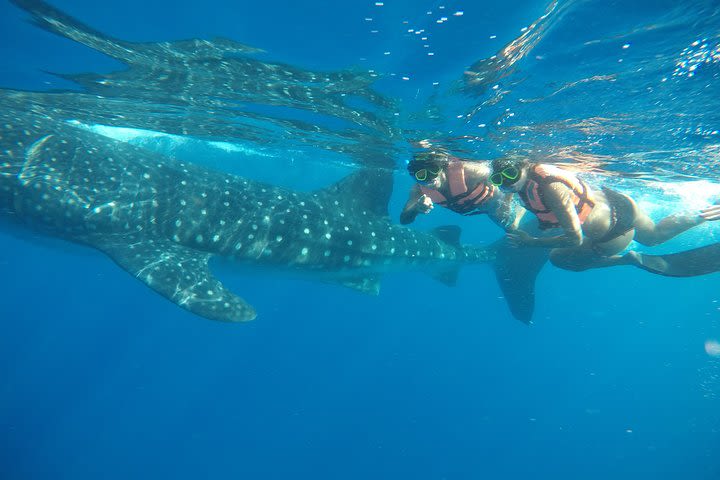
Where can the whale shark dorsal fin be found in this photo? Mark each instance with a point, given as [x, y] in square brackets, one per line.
[449, 234]
[366, 190]
[180, 274]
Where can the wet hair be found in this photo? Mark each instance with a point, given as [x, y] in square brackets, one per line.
[432, 159]
[501, 163]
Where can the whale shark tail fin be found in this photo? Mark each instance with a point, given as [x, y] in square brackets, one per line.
[690, 263]
[181, 275]
[516, 270]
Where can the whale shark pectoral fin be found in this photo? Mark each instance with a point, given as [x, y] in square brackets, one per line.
[181, 275]
[368, 284]
[516, 270]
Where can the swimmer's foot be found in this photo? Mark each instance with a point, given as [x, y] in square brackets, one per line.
[689, 263]
[651, 263]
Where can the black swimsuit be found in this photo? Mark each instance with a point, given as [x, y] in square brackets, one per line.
[622, 215]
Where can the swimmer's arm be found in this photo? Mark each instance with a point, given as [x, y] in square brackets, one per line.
[410, 210]
[558, 198]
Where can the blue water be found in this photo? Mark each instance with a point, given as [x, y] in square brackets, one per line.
[103, 378]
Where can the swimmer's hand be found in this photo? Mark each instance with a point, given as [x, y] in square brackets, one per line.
[710, 213]
[424, 204]
[519, 238]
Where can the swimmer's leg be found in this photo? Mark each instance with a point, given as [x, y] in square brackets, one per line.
[580, 259]
[649, 233]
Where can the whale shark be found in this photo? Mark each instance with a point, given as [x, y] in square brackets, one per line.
[163, 220]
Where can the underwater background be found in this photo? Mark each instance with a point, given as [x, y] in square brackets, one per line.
[619, 375]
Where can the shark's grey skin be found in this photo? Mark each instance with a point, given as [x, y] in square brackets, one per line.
[162, 220]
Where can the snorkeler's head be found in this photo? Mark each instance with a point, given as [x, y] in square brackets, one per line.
[507, 171]
[426, 166]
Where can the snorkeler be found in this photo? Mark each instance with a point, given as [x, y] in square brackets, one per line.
[464, 187]
[596, 225]
[458, 185]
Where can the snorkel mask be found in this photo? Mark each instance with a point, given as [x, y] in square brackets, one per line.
[426, 166]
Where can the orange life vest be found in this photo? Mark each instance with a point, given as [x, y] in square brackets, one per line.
[461, 200]
[539, 177]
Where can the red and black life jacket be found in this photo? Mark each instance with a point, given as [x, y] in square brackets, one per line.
[461, 199]
[539, 177]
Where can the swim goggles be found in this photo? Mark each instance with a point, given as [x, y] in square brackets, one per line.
[511, 173]
[427, 174]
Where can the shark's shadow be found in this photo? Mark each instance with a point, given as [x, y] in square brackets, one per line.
[219, 90]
